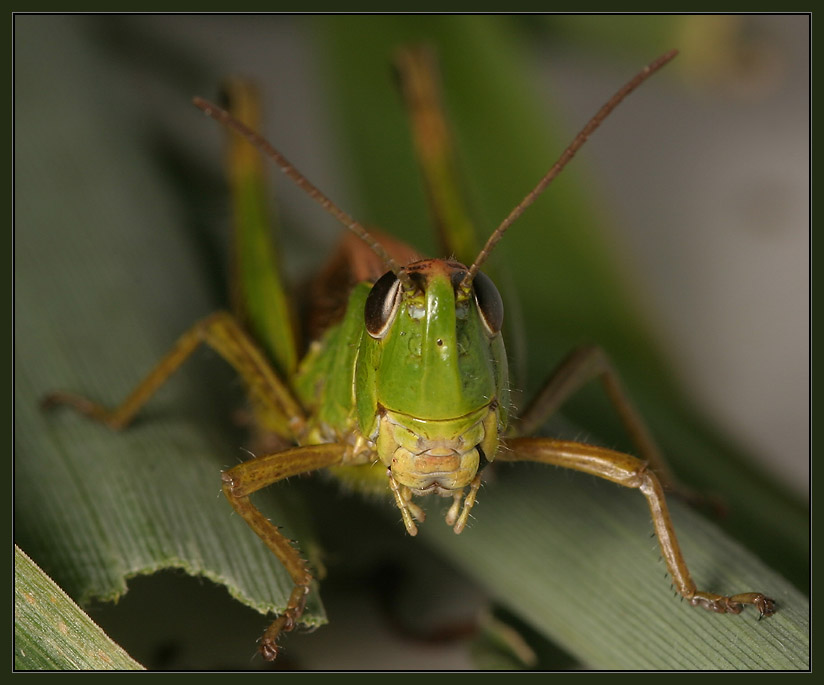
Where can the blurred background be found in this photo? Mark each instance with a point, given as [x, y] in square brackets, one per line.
[699, 184]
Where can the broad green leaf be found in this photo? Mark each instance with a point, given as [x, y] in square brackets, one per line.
[107, 275]
[576, 558]
[51, 632]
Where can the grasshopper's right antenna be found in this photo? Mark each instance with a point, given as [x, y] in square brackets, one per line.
[302, 182]
[567, 155]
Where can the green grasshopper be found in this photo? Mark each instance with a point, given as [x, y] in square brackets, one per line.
[407, 392]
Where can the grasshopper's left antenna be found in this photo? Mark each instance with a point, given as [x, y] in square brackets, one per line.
[302, 182]
[567, 155]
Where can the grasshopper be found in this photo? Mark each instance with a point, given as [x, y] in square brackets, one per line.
[406, 393]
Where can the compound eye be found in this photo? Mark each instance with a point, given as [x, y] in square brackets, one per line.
[382, 305]
[490, 304]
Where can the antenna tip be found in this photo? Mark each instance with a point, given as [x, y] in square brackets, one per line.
[665, 58]
[204, 105]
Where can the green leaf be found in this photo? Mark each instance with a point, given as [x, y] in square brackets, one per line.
[577, 559]
[50, 630]
[107, 275]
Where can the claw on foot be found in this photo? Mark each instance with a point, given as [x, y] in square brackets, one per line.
[735, 604]
[269, 650]
[765, 606]
[268, 643]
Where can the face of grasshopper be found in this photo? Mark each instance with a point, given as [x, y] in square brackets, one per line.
[431, 379]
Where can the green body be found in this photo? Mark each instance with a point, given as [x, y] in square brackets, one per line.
[428, 399]
[424, 403]
[419, 400]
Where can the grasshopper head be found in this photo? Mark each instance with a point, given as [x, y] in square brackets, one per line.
[434, 374]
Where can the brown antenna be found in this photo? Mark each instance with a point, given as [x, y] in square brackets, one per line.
[302, 182]
[567, 155]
